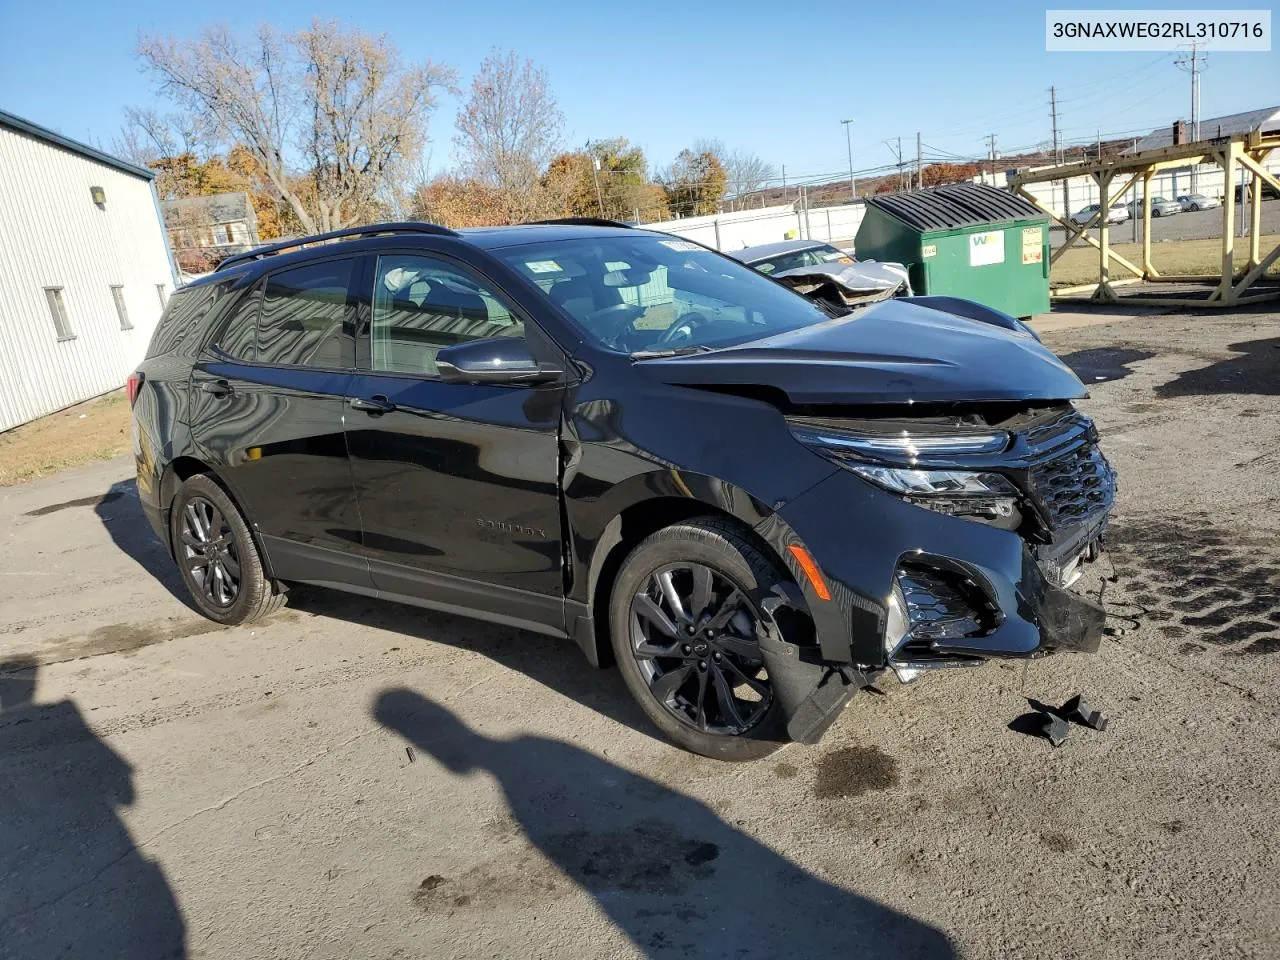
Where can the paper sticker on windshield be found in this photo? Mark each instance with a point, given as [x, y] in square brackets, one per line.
[680, 246]
[543, 266]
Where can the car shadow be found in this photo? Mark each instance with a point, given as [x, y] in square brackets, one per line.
[121, 513]
[1103, 364]
[78, 886]
[666, 870]
[554, 662]
[1256, 371]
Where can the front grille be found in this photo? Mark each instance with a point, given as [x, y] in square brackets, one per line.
[1074, 486]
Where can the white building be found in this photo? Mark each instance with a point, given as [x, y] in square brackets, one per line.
[85, 270]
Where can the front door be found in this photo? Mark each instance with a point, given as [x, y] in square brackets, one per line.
[268, 401]
[457, 483]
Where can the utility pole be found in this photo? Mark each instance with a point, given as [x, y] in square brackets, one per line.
[991, 153]
[1053, 118]
[897, 154]
[919, 164]
[1137, 215]
[595, 175]
[1193, 63]
[853, 190]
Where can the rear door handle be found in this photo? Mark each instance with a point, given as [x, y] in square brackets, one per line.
[374, 404]
[217, 388]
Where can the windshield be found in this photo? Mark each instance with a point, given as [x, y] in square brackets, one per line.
[812, 257]
[648, 294]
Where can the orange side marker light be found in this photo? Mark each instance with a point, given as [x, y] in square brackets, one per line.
[810, 570]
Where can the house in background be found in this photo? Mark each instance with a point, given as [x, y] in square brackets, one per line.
[85, 270]
[203, 231]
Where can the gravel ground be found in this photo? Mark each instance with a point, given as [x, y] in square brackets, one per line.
[353, 779]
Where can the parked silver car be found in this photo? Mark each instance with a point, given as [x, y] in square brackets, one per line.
[1116, 214]
[1197, 201]
[1160, 207]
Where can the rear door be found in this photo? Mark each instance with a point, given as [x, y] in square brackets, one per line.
[268, 403]
[457, 483]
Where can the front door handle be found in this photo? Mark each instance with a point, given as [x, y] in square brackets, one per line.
[374, 404]
[217, 388]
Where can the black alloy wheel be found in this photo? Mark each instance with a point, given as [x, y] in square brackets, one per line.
[217, 556]
[208, 551]
[693, 635]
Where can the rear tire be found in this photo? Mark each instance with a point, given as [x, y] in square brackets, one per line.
[711, 694]
[216, 555]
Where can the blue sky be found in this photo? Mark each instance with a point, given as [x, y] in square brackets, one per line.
[770, 77]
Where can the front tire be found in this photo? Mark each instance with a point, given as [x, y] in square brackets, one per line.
[682, 623]
[216, 555]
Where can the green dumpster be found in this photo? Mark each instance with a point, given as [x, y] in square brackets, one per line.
[963, 240]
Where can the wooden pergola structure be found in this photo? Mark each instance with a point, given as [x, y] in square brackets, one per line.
[1226, 289]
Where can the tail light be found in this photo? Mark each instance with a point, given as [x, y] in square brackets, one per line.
[132, 385]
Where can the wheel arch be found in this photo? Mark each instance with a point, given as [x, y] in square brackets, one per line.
[636, 520]
[183, 468]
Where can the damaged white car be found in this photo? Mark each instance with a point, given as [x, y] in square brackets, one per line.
[826, 274]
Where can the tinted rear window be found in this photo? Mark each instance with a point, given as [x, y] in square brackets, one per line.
[185, 316]
[306, 316]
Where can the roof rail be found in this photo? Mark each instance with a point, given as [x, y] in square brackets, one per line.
[582, 222]
[372, 230]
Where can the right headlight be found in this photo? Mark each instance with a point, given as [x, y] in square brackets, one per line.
[973, 494]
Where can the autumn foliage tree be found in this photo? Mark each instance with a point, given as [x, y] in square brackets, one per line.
[330, 117]
[695, 183]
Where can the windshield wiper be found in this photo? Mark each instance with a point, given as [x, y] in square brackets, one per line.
[673, 352]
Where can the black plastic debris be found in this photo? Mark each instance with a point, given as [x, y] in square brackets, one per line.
[1054, 728]
[1077, 711]
[1054, 723]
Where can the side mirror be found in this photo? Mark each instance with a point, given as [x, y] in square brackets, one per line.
[498, 360]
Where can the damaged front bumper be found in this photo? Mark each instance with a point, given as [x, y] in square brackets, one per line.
[912, 590]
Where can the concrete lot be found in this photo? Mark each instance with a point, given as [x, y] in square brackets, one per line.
[361, 780]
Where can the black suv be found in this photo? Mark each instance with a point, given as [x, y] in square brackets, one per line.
[623, 438]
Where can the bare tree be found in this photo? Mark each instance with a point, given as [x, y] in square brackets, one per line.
[148, 135]
[509, 130]
[329, 116]
[746, 171]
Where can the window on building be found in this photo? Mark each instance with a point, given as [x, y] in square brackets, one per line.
[421, 305]
[222, 234]
[117, 294]
[162, 294]
[58, 310]
[307, 316]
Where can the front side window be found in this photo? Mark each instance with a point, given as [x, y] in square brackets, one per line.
[647, 293]
[423, 304]
[307, 316]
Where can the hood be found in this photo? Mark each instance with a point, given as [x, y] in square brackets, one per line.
[898, 351]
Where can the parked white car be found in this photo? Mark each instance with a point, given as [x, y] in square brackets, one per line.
[1197, 201]
[1117, 213]
[1160, 207]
